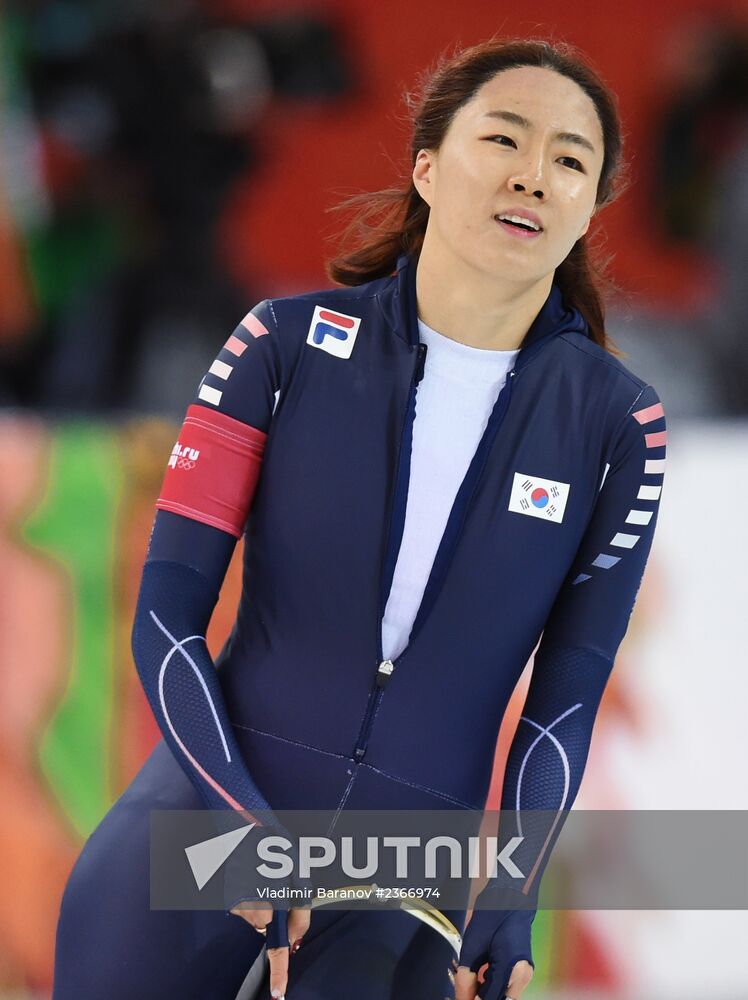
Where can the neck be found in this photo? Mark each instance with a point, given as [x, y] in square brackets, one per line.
[462, 304]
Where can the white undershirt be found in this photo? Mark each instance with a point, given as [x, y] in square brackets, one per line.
[454, 400]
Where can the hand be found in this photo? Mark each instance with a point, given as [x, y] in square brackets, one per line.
[500, 939]
[467, 985]
[287, 926]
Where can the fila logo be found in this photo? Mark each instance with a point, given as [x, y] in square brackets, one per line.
[183, 457]
[333, 332]
[538, 497]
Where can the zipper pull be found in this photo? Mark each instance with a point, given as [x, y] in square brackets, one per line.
[384, 670]
[420, 363]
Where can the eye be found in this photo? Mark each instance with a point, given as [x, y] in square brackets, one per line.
[575, 164]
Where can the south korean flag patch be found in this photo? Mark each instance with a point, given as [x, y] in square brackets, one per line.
[538, 497]
[333, 332]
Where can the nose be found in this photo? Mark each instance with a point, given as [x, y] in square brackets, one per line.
[519, 186]
[530, 179]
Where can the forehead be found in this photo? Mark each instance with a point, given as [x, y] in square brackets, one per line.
[546, 98]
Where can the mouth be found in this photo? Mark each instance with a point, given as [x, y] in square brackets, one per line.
[519, 229]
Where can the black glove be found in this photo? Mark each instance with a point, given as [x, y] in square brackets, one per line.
[501, 937]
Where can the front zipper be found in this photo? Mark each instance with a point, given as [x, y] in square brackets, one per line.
[385, 668]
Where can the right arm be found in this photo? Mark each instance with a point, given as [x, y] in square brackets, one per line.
[202, 509]
[201, 512]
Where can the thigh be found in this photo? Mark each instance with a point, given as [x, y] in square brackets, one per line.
[110, 944]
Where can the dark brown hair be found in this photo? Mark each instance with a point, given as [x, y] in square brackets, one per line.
[391, 222]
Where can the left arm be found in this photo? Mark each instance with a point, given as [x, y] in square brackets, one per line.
[549, 751]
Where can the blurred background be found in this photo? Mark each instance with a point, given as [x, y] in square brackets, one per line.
[163, 167]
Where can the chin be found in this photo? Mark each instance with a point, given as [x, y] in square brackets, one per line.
[508, 267]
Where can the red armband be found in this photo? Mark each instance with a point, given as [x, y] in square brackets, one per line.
[213, 470]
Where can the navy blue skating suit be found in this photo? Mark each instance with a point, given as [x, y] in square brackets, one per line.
[299, 437]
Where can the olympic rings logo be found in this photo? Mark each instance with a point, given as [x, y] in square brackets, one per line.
[185, 463]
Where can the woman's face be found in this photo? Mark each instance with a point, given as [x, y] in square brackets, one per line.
[529, 140]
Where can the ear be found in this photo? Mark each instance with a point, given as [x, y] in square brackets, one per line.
[423, 174]
[587, 224]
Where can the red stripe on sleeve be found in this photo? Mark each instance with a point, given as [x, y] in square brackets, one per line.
[213, 470]
[253, 324]
[236, 346]
[649, 413]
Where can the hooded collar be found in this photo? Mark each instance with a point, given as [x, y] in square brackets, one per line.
[554, 318]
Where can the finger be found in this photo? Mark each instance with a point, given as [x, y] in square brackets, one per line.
[278, 970]
[519, 979]
[466, 983]
[499, 983]
[256, 914]
[298, 925]
[493, 979]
